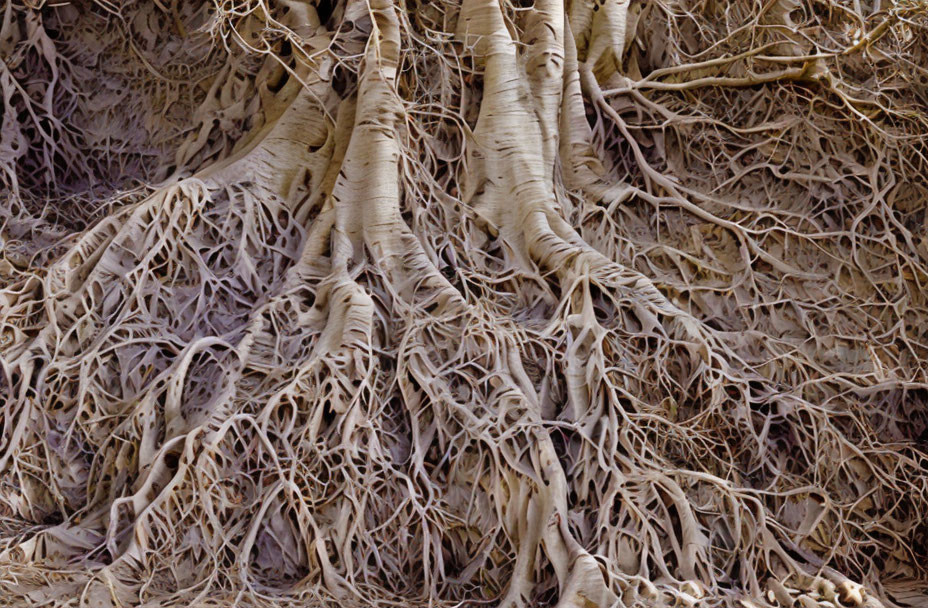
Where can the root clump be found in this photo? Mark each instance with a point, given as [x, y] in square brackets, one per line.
[575, 303]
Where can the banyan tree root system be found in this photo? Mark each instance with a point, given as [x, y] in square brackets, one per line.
[579, 303]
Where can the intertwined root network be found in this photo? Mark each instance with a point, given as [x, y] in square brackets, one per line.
[580, 304]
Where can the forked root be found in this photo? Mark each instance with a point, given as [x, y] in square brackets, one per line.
[403, 327]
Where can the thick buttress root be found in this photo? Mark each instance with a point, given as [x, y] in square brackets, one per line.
[374, 348]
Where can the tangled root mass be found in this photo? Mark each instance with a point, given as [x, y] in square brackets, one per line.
[575, 303]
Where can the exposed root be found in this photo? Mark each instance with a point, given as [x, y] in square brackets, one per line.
[582, 304]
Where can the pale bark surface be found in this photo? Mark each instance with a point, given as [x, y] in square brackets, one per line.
[576, 303]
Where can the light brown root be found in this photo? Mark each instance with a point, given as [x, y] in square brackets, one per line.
[576, 304]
